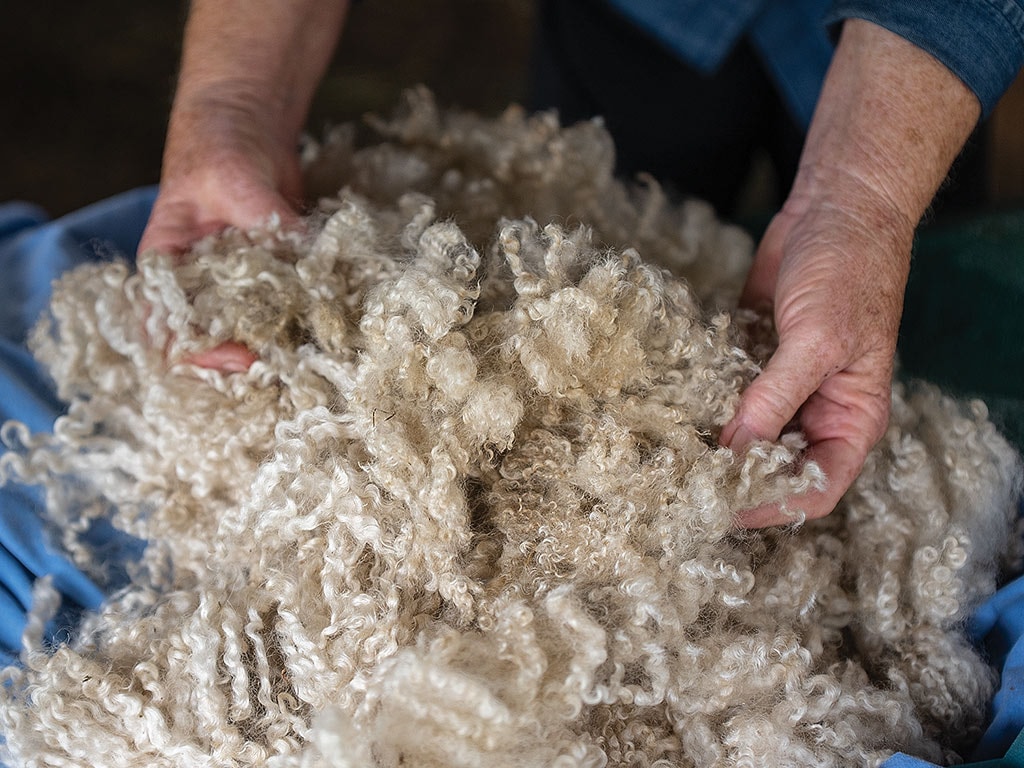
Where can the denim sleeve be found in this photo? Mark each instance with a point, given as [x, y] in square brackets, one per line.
[980, 41]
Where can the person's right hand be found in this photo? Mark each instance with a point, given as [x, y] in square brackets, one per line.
[833, 264]
[249, 70]
[222, 168]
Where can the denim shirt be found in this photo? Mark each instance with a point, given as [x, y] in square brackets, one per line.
[980, 41]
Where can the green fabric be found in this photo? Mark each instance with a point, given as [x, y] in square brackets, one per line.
[1015, 754]
[963, 328]
[1014, 757]
[963, 324]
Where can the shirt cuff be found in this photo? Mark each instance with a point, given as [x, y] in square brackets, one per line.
[980, 41]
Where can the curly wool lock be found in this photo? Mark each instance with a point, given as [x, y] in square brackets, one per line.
[470, 509]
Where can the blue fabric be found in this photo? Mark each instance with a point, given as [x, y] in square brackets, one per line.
[980, 41]
[33, 252]
[1013, 758]
[998, 628]
[900, 760]
[699, 32]
[999, 625]
[792, 40]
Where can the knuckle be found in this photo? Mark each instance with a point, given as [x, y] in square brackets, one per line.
[879, 423]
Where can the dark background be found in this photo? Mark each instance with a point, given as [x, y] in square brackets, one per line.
[88, 87]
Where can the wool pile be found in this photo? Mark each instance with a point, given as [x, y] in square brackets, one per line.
[468, 507]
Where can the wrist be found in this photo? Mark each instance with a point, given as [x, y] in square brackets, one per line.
[224, 124]
[258, 60]
[849, 191]
[889, 122]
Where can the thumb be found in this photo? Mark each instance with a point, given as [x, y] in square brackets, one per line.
[228, 357]
[771, 400]
[253, 206]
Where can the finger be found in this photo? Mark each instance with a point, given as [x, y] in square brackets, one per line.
[229, 357]
[841, 462]
[770, 402]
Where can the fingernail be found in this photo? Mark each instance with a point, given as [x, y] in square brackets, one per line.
[235, 366]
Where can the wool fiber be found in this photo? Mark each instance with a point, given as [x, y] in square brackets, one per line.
[468, 507]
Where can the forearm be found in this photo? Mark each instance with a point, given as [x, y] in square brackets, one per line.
[889, 123]
[256, 60]
[248, 74]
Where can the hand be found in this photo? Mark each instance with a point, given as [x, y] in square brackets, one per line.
[248, 73]
[833, 271]
[833, 264]
[221, 170]
[249, 70]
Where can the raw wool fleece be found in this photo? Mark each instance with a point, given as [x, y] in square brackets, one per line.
[468, 507]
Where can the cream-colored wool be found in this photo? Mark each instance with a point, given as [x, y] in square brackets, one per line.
[469, 509]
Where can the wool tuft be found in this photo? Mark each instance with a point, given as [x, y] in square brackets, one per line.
[468, 508]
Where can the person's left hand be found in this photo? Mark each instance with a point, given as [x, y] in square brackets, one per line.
[833, 264]
[833, 270]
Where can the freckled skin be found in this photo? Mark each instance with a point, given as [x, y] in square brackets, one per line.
[248, 74]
